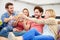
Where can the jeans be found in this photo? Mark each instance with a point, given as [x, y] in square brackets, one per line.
[19, 33]
[33, 34]
[9, 28]
[5, 31]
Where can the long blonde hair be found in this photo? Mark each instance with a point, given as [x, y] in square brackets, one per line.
[52, 13]
[54, 29]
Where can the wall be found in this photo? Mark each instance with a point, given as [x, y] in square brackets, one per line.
[18, 6]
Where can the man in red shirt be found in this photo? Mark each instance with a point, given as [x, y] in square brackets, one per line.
[38, 11]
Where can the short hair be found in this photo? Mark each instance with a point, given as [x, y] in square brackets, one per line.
[7, 4]
[27, 10]
[39, 8]
[52, 13]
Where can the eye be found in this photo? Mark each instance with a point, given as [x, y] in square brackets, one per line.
[36, 12]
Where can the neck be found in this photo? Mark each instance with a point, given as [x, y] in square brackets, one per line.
[9, 13]
[39, 17]
[45, 17]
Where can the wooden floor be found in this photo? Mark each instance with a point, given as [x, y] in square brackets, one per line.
[3, 38]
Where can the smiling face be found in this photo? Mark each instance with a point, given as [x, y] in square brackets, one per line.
[26, 12]
[10, 9]
[37, 13]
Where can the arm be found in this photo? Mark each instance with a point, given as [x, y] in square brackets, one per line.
[15, 23]
[6, 19]
[26, 25]
[36, 20]
[44, 21]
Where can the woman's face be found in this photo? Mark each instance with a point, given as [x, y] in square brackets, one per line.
[47, 14]
[26, 12]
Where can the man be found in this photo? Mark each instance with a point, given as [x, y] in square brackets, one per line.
[38, 11]
[6, 17]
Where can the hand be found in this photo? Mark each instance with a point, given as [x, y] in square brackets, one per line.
[21, 16]
[14, 23]
[16, 30]
[11, 17]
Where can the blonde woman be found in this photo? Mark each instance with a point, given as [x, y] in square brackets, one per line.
[33, 34]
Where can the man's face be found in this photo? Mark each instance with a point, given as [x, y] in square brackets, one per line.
[37, 14]
[10, 9]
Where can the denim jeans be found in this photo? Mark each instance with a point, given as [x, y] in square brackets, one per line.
[9, 28]
[5, 31]
[33, 34]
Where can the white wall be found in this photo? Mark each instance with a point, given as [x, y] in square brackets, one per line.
[55, 7]
[41, 1]
[18, 6]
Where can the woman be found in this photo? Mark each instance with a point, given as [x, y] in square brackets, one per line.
[26, 25]
[33, 34]
[20, 24]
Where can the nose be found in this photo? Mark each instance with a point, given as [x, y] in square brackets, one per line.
[35, 13]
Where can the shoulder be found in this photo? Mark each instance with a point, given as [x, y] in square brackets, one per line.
[4, 14]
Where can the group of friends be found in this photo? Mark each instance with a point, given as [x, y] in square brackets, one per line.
[21, 26]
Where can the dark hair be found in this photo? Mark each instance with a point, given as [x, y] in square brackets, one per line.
[7, 4]
[27, 10]
[39, 8]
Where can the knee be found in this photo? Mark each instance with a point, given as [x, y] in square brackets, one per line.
[4, 29]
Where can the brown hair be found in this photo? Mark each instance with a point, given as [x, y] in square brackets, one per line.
[7, 4]
[27, 10]
[39, 8]
[52, 13]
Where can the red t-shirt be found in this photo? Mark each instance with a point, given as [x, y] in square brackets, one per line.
[38, 27]
[19, 26]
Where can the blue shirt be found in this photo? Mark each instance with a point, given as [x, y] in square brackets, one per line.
[6, 15]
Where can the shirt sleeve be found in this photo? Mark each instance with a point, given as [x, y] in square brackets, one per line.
[45, 21]
[3, 17]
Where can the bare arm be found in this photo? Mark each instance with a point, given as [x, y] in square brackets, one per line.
[26, 25]
[44, 21]
[6, 19]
